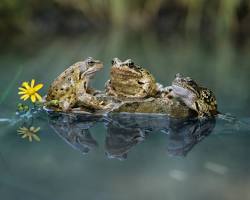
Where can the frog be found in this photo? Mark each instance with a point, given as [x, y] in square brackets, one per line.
[71, 87]
[198, 98]
[130, 81]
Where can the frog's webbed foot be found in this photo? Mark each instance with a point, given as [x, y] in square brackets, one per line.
[52, 103]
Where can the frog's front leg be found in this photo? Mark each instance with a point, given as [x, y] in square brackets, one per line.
[86, 99]
[109, 90]
[67, 102]
[145, 90]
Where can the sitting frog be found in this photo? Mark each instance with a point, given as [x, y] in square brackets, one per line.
[70, 88]
[200, 99]
[130, 81]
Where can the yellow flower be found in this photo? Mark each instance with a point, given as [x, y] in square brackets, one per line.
[30, 91]
[29, 132]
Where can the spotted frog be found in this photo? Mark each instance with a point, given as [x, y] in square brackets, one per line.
[200, 99]
[71, 88]
[129, 80]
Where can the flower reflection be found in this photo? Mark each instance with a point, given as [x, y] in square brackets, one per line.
[29, 133]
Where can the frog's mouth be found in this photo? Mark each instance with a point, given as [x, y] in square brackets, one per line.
[92, 70]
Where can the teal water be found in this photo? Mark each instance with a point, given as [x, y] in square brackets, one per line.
[128, 157]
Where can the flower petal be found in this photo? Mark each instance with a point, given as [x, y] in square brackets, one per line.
[26, 85]
[38, 97]
[32, 83]
[22, 89]
[25, 97]
[24, 136]
[36, 138]
[37, 129]
[22, 92]
[33, 98]
[30, 138]
[38, 87]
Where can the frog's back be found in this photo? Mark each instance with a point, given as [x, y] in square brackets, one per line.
[64, 82]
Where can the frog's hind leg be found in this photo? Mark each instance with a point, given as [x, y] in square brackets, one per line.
[66, 103]
[85, 99]
[89, 101]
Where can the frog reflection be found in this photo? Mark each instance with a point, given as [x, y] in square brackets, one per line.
[74, 130]
[183, 135]
[125, 131]
[119, 140]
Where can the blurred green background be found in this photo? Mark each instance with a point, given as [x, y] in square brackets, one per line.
[185, 18]
[205, 39]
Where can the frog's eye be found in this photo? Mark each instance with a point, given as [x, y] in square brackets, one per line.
[91, 62]
[112, 62]
[131, 64]
[189, 79]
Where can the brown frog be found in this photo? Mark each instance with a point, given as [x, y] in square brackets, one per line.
[71, 89]
[129, 80]
[200, 99]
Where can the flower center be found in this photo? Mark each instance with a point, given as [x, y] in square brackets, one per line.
[29, 133]
[31, 91]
